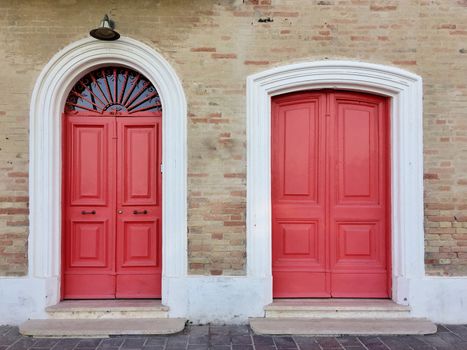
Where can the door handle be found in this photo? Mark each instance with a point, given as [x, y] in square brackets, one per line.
[136, 212]
[92, 212]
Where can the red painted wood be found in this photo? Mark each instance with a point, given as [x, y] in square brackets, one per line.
[111, 168]
[139, 213]
[89, 239]
[359, 198]
[298, 196]
[330, 195]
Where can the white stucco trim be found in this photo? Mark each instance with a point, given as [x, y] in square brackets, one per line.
[47, 104]
[405, 92]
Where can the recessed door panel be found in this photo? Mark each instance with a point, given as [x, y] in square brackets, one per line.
[298, 241]
[330, 195]
[140, 243]
[298, 123]
[358, 152]
[139, 162]
[89, 241]
[88, 152]
[296, 151]
[357, 244]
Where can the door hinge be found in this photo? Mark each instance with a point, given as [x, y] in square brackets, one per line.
[162, 168]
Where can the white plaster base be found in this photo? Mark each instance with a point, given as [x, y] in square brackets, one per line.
[207, 299]
[23, 298]
[440, 299]
[201, 299]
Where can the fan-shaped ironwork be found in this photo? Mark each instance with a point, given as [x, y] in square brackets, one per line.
[113, 90]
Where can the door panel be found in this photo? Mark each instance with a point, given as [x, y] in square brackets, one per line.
[140, 160]
[358, 201]
[356, 138]
[297, 125]
[139, 246]
[89, 240]
[330, 192]
[89, 199]
[298, 200]
[139, 212]
[89, 149]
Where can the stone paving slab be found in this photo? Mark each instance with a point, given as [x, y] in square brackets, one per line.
[239, 338]
[102, 327]
[339, 326]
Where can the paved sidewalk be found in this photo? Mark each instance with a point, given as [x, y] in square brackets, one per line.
[237, 338]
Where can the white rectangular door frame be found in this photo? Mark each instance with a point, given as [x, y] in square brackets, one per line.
[405, 92]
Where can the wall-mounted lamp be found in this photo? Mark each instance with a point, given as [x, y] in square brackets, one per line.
[105, 31]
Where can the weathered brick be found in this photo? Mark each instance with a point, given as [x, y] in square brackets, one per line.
[203, 49]
[256, 63]
[224, 55]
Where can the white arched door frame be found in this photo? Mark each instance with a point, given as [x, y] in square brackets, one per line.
[47, 104]
[405, 92]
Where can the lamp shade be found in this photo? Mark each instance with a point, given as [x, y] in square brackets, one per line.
[105, 31]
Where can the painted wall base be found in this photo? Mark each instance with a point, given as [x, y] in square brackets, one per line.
[440, 299]
[207, 299]
[232, 300]
[24, 298]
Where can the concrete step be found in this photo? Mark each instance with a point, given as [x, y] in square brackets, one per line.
[336, 308]
[341, 326]
[107, 309]
[101, 327]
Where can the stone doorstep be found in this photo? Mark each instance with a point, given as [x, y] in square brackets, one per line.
[107, 309]
[107, 305]
[101, 328]
[336, 304]
[336, 308]
[335, 327]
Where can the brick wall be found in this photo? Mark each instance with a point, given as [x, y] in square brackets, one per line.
[213, 46]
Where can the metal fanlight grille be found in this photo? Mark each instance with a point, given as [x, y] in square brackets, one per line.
[113, 90]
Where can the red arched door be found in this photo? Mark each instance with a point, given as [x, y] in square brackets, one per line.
[330, 195]
[112, 187]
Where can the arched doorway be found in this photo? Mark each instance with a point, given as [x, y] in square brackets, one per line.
[111, 197]
[45, 166]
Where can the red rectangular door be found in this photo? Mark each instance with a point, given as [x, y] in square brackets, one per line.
[112, 207]
[359, 192]
[88, 210]
[330, 195]
[298, 196]
[138, 208]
